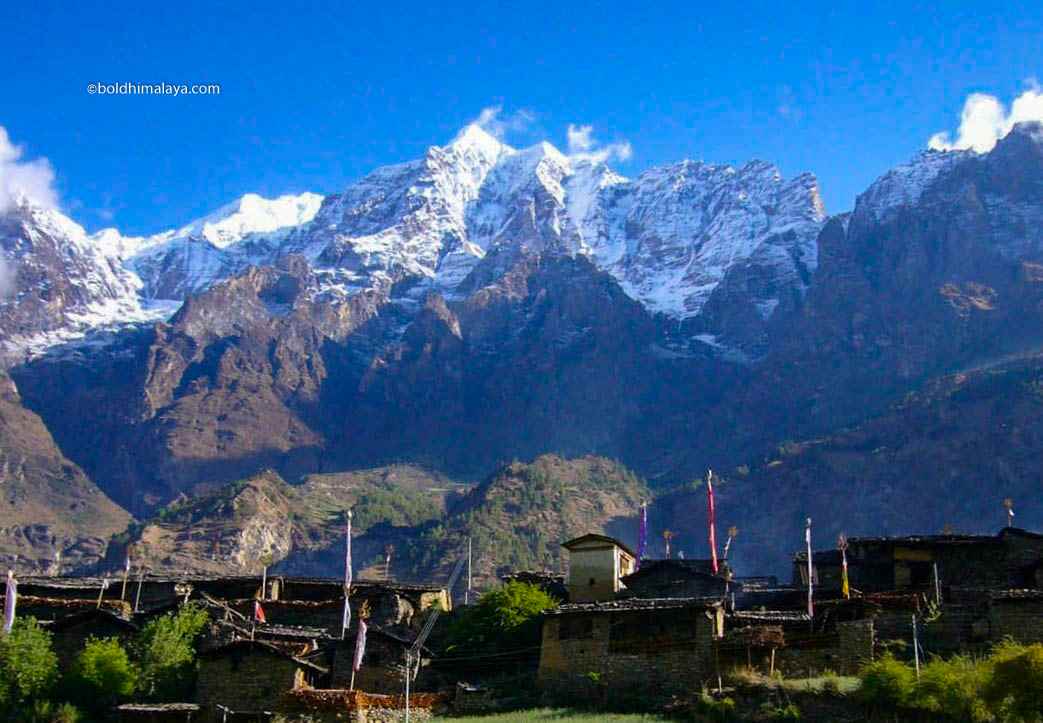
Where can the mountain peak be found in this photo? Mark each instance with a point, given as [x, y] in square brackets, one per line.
[253, 213]
[474, 137]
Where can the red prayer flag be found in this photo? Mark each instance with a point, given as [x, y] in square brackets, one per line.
[711, 514]
[259, 612]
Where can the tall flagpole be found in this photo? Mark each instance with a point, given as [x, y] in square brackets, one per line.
[642, 535]
[711, 515]
[845, 585]
[126, 576]
[467, 593]
[346, 621]
[811, 574]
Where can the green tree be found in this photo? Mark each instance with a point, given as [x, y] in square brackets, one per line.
[28, 665]
[1015, 686]
[102, 674]
[505, 619]
[166, 653]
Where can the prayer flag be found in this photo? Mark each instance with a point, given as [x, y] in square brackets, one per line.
[811, 572]
[259, 612]
[10, 601]
[360, 646]
[711, 514]
[346, 621]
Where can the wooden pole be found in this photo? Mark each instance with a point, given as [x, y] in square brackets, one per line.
[771, 668]
[937, 586]
[126, 576]
[101, 593]
[409, 667]
[467, 593]
[352, 685]
[137, 598]
[916, 649]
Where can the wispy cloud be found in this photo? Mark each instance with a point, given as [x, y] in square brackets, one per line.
[582, 144]
[19, 178]
[788, 107]
[501, 124]
[985, 120]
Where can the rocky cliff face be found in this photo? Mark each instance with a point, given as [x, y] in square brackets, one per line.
[51, 513]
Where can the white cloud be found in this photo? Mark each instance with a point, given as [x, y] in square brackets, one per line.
[581, 138]
[581, 144]
[985, 120]
[32, 179]
[499, 124]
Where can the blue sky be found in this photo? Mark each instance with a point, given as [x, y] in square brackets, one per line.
[315, 95]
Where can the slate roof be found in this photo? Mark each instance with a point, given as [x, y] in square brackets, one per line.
[594, 537]
[636, 603]
[262, 646]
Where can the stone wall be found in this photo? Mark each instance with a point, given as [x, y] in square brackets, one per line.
[249, 682]
[843, 651]
[1018, 618]
[617, 655]
[327, 706]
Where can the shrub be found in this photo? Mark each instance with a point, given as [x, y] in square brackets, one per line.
[506, 618]
[830, 682]
[166, 654]
[28, 665]
[102, 674]
[715, 709]
[1015, 686]
[953, 688]
[44, 711]
[785, 713]
[887, 682]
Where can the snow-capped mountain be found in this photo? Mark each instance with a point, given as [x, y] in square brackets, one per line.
[250, 231]
[62, 283]
[670, 237]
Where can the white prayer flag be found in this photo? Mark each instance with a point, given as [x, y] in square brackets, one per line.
[347, 577]
[10, 601]
[811, 572]
[360, 646]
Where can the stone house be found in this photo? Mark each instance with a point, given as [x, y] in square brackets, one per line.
[597, 564]
[70, 633]
[975, 619]
[634, 647]
[251, 676]
[383, 668]
[876, 564]
[841, 638]
[678, 578]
